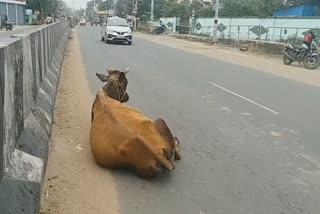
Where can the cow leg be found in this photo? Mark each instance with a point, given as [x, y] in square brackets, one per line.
[165, 132]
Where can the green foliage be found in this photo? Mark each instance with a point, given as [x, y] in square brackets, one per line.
[257, 8]
[231, 8]
[120, 8]
[106, 5]
[185, 8]
[181, 10]
[46, 7]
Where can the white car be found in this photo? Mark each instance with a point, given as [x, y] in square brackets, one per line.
[116, 29]
[83, 22]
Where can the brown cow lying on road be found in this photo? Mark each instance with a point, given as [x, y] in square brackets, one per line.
[122, 136]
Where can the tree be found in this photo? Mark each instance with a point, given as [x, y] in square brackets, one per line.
[144, 9]
[124, 8]
[264, 8]
[46, 7]
[182, 10]
[237, 8]
[106, 5]
[258, 8]
[294, 2]
[201, 10]
[231, 8]
[205, 12]
[120, 8]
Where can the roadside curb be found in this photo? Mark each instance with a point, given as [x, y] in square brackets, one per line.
[30, 81]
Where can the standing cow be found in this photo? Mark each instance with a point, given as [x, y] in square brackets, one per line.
[122, 137]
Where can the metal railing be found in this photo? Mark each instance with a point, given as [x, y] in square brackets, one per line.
[250, 32]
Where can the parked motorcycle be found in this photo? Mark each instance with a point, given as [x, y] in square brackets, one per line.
[310, 58]
[9, 25]
[162, 29]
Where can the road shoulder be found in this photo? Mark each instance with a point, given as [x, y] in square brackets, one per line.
[259, 62]
[74, 182]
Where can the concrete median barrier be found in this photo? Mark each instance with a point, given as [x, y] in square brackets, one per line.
[30, 66]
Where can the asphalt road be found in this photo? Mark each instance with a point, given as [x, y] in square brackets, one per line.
[250, 140]
[16, 30]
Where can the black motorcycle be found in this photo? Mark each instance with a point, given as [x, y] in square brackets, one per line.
[309, 57]
[9, 25]
[162, 29]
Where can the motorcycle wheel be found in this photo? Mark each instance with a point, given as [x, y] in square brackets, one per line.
[311, 62]
[286, 60]
[166, 31]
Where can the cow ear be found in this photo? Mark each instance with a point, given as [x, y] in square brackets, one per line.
[102, 77]
[122, 77]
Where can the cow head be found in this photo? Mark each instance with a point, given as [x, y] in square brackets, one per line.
[116, 85]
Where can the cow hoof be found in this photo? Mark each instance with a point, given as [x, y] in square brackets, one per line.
[177, 148]
[176, 141]
[177, 155]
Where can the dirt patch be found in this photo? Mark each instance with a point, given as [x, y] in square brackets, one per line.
[74, 183]
[260, 62]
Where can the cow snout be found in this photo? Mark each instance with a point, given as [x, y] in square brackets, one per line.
[125, 98]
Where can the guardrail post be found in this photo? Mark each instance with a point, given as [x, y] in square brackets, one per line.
[259, 32]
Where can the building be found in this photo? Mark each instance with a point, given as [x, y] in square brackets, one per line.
[14, 10]
[304, 9]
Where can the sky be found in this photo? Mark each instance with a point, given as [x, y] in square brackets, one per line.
[77, 4]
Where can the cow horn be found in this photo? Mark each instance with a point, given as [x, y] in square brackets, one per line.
[109, 71]
[126, 70]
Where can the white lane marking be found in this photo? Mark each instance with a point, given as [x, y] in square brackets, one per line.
[150, 54]
[244, 98]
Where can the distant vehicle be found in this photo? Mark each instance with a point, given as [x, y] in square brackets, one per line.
[162, 28]
[9, 24]
[309, 57]
[116, 30]
[49, 20]
[83, 22]
[96, 21]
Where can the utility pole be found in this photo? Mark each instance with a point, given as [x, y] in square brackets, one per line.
[216, 17]
[134, 14]
[151, 14]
